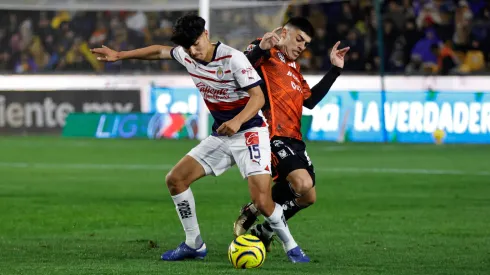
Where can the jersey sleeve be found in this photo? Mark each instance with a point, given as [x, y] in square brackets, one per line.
[255, 54]
[246, 76]
[252, 46]
[178, 53]
[321, 89]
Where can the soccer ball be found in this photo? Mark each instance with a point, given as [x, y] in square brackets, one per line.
[246, 251]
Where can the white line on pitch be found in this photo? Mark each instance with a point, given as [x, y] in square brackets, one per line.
[85, 166]
[113, 166]
[404, 171]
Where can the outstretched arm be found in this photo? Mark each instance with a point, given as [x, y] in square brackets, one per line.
[148, 53]
[320, 90]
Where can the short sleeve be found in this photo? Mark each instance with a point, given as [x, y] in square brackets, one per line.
[246, 76]
[178, 54]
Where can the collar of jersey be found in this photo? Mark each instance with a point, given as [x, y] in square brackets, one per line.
[214, 55]
[285, 56]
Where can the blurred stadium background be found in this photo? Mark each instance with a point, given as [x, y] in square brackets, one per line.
[400, 144]
[49, 36]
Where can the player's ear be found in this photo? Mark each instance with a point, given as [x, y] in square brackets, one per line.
[206, 33]
[284, 32]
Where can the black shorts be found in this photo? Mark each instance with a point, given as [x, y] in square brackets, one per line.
[289, 154]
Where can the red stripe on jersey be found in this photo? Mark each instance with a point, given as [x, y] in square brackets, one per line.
[213, 72]
[188, 61]
[222, 57]
[210, 79]
[226, 106]
[209, 71]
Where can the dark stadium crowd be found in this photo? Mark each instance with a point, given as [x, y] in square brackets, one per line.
[419, 37]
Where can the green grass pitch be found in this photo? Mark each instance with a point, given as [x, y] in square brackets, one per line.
[73, 206]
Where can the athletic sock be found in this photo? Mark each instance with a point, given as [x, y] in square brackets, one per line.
[278, 224]
[290, 209]
[186, 209]
[265, 230]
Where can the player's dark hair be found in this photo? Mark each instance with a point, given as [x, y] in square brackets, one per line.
[302, 24]
[187, 30]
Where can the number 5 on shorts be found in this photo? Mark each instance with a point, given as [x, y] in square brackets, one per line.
[254, 151]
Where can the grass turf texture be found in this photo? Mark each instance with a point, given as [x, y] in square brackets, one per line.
[72, 206]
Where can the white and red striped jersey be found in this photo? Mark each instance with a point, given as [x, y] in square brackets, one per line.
[223, 83]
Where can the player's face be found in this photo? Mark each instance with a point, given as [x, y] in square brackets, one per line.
[200, 49]
[295, 42]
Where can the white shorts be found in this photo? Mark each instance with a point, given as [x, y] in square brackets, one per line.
[249, 149]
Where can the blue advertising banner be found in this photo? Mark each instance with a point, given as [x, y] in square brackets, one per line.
[409, 116]
[414, 117]
[174, 100]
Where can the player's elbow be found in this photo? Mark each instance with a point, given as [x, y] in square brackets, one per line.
[308, 104]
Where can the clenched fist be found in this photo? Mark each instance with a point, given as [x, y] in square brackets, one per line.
[229, 128]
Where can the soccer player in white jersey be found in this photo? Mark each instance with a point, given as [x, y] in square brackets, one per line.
[231, 89]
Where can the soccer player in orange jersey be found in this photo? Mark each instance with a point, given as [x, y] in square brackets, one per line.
[286, 92]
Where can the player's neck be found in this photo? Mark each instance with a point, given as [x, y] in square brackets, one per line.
[210, 54]
[282, 49]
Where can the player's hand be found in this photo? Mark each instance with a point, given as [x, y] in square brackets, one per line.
[270, 39]
[337, 56]
[105, 54]
[229, 128]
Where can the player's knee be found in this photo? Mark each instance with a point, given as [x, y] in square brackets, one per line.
[308, 199]
[302, 185]
[175, 182]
